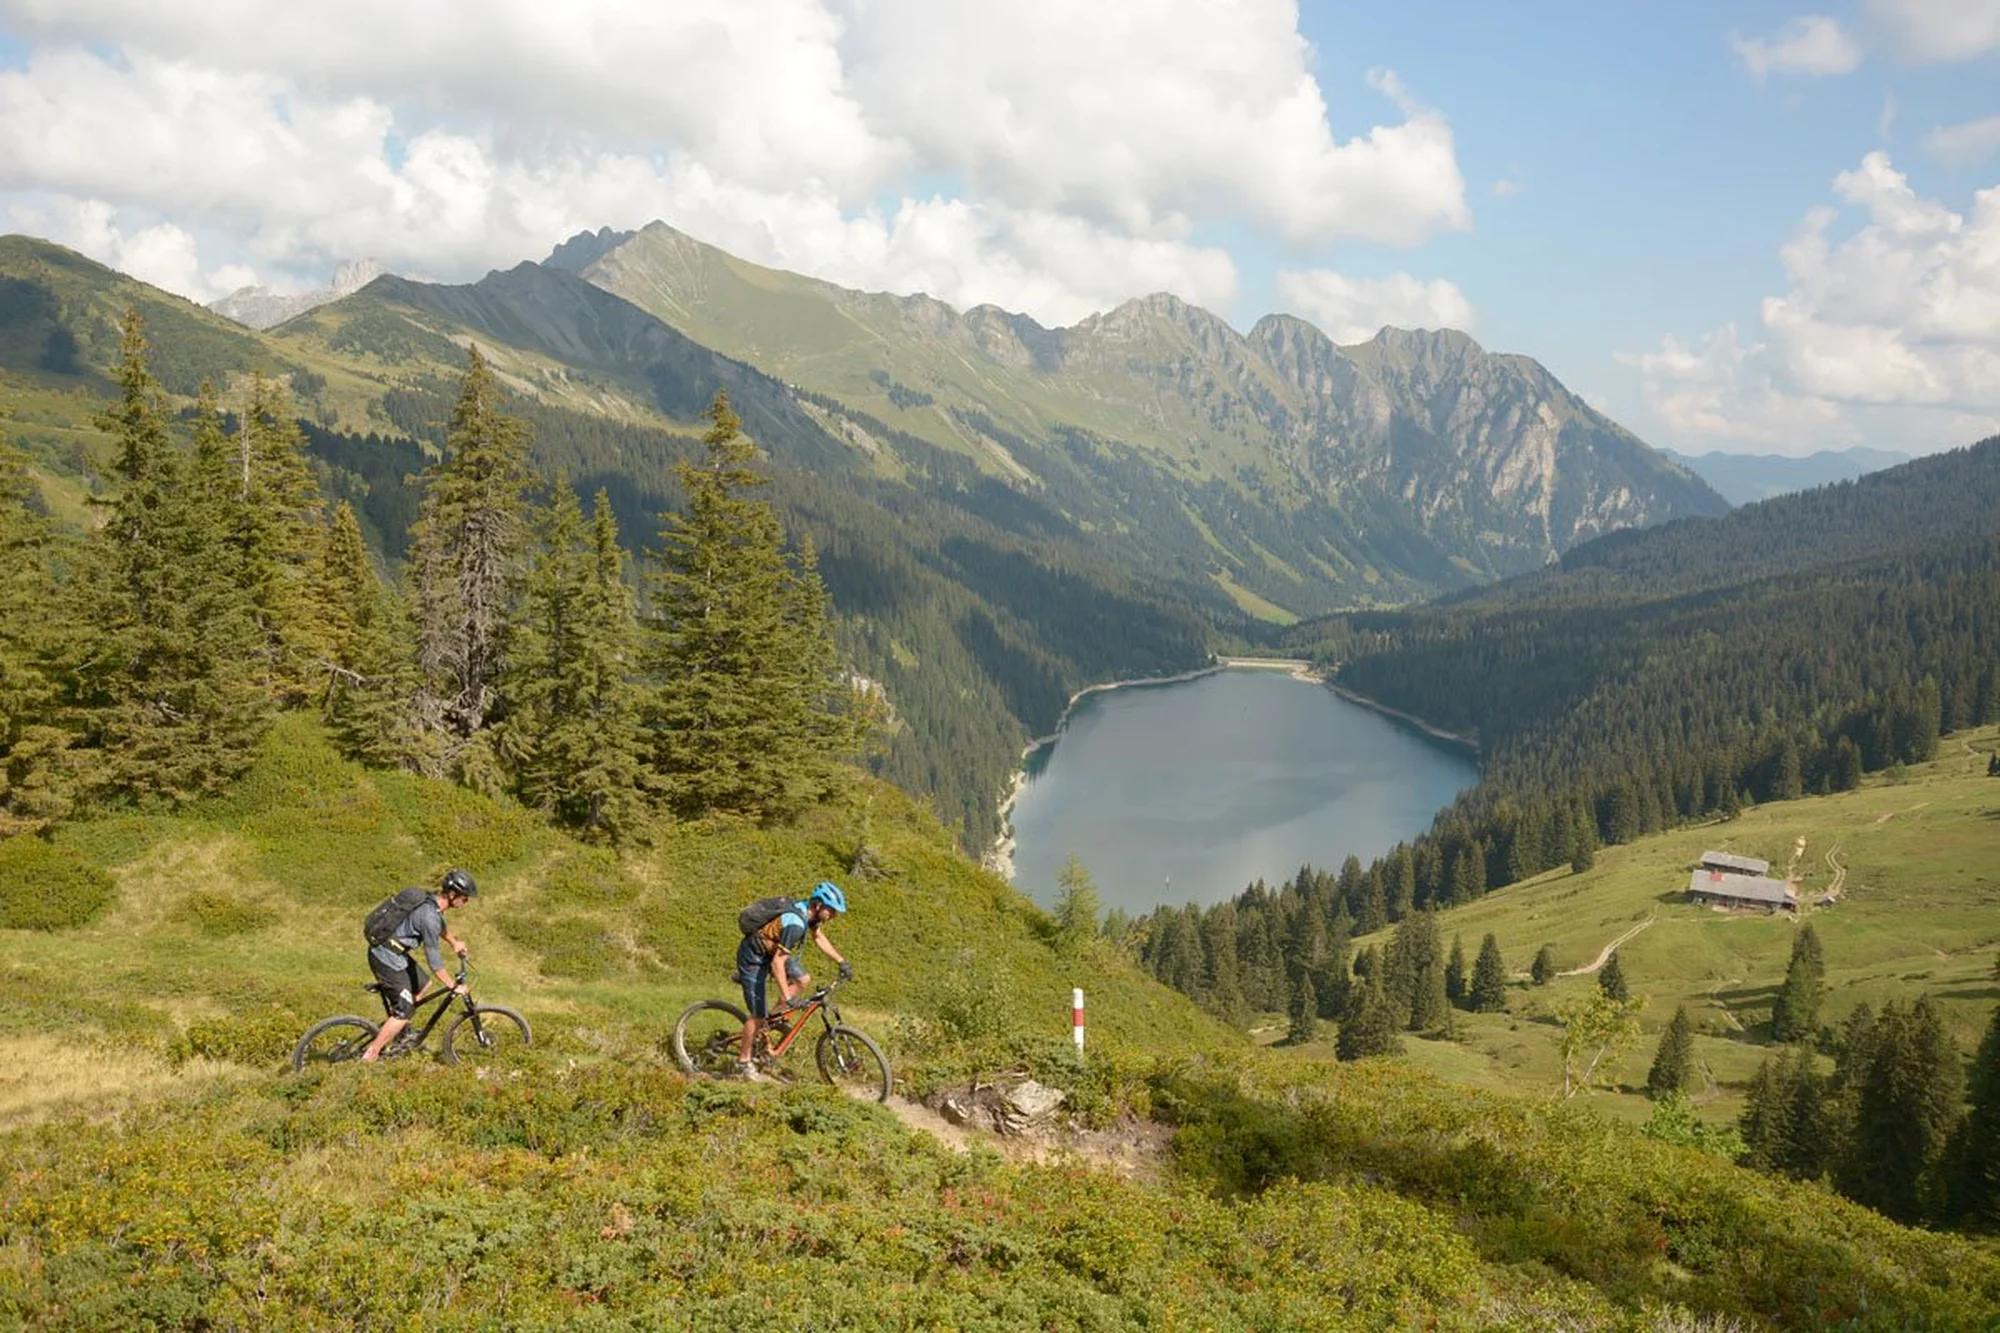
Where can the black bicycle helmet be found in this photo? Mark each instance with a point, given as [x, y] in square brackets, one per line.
[458, 882]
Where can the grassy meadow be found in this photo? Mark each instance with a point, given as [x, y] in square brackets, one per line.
[159, 1169]
[1918, 913]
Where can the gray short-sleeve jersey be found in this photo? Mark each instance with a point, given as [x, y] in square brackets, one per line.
[423, 928]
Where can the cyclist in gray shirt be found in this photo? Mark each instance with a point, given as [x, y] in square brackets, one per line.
[394, 962]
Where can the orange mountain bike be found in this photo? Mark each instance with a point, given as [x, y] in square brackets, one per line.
[708, 1035]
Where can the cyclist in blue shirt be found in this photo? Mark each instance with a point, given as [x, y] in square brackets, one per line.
[772, 950]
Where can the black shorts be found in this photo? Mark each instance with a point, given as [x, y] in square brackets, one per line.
[400, 984]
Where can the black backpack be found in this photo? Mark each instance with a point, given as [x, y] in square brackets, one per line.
[763, 912]
[389, 915]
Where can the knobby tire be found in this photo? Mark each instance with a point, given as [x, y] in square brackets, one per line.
[501, 1034]
[852, 1062]
[699, 1047]
[333, 1041]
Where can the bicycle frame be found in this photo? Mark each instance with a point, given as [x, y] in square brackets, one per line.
[819, 1002]
[412, 1037]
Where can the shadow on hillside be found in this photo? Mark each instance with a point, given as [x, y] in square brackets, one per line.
[1987, 993]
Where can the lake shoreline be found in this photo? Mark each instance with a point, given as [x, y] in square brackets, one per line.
[1000, 857]
[1429, 729]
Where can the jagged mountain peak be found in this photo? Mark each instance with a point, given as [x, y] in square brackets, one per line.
[585, 248]
[261, 308]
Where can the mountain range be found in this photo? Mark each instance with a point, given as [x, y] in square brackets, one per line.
[1004, 512]
[1745, 479]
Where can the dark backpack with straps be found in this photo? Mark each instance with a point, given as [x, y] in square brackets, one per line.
[389, 915]
[763, 912]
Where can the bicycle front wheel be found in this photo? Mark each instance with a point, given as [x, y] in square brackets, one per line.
[333, 1041]
[852, 1062]
[489, 1034]
[707, 1037]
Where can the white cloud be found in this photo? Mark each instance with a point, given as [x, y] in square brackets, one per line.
[1811, 44]
[1146, 112]
[1888, 334]
[1040, 158]
[1935, 31]
[157, 252]
[1352, 310]
[1964, 145]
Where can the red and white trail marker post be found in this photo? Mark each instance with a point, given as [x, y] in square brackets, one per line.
[1076, 1019]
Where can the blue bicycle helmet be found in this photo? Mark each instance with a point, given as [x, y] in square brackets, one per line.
[829, 894]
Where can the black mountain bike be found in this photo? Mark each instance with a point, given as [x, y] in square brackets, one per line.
[708, 1035]
[486, 1032]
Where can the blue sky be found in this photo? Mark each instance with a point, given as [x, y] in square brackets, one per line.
[1659, 175]
[1754, 227]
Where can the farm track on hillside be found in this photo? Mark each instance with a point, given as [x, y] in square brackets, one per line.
[1609, 949]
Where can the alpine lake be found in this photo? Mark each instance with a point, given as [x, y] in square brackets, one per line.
[1188, 791]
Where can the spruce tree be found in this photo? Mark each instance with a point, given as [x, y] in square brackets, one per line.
[1468, 880]
[1907, 1110]
[1975, 1173]
[1766, 1121]
[367, 676]
[1430, 1010]
[278, 534]
[1584, 851]
[572, 729]
[467, 553]
[1489, 979]
[1611, 979]
[1369, 1026]
[1673, 1063]
[1305, 1012]
[742, 716]
[1457, 986]
[1795, 1015]
[1077, 905]
[170, 676]
[1414, 947]
[1544, 969]
[37, 781]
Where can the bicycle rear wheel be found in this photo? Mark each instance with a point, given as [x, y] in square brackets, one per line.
[489, 1034]
[332, 1041]
[852, 1062]
[707, 1036]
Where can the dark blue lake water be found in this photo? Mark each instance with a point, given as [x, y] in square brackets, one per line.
[1188, 792]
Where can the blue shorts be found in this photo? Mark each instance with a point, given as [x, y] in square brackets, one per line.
[753, 970]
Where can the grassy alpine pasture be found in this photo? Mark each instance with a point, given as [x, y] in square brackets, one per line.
[160, 1170]
[1918, 913]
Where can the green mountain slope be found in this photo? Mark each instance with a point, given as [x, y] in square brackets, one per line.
[1413, 463]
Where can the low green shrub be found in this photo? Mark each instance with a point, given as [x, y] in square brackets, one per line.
[588, 877]
[456, 827]
[221, 915]
[262, 1037]
[45, 886]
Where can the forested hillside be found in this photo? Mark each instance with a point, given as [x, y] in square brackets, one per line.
[978, 608]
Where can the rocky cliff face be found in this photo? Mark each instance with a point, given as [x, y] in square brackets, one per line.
[262, 308]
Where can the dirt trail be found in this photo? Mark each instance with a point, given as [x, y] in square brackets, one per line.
[1839, 872]
[1134, 1150]
[1609, 949]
